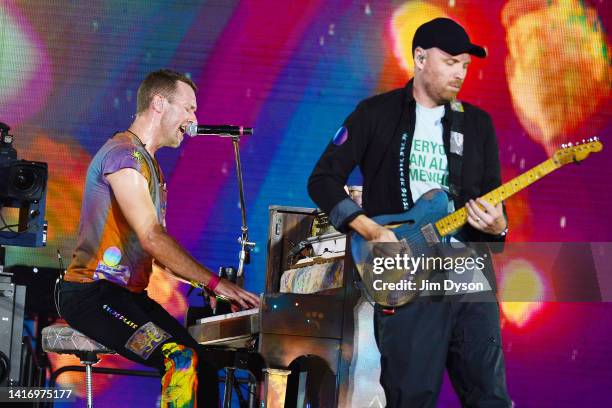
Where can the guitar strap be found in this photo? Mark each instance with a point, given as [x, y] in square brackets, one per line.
[455, 150]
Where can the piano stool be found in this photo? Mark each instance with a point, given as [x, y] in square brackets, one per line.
[63, 339]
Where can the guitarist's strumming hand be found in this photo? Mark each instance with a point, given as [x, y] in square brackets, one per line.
[371, 230]
[485, 217]
[385, 241]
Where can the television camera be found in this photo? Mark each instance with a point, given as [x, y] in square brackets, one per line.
[23, 186]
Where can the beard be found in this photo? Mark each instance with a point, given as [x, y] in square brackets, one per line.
[442, 94]
[177, 138]
[447, 95]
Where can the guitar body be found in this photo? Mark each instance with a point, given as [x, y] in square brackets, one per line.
[428, 223]
[417, 235]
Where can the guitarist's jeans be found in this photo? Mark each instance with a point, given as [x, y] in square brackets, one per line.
[423, 338]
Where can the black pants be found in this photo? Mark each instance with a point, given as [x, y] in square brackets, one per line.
[114, 316]
[423, 338]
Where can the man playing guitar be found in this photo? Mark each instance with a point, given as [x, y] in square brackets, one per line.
[406, 143]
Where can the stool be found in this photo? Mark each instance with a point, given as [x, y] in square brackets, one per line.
[63, 339]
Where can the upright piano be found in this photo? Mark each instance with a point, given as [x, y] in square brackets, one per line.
[305, 323]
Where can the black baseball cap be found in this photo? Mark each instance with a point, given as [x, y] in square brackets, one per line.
[447, 35]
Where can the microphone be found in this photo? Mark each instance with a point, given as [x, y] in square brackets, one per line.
[217, 130]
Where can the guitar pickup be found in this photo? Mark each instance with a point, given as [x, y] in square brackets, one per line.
[429, 232]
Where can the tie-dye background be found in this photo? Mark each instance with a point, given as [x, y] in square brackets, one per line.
[69, 71]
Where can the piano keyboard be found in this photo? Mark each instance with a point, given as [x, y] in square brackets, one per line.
[232, 330]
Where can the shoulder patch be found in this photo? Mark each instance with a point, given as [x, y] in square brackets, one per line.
[341, 136]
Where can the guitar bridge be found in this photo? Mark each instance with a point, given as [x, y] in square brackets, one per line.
[429, 232]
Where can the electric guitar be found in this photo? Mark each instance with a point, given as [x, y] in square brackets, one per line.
[428, 223]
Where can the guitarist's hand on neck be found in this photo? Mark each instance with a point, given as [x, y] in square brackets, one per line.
[485, 217]
[372, 231]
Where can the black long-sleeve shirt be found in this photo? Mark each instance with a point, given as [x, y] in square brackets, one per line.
[374, 131]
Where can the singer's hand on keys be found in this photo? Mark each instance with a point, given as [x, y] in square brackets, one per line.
[236, 294]
[212, 301]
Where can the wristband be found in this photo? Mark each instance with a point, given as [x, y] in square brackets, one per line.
[213, 282]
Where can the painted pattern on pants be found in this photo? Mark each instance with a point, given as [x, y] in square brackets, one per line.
[180, 381]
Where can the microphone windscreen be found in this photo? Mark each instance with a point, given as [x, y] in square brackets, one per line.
[192, 129]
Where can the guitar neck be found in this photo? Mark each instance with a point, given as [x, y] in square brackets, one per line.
[456, 220]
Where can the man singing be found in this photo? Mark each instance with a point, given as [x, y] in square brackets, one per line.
[122, 230]
[389, 137]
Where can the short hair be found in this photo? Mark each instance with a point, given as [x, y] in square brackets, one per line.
[161, 82]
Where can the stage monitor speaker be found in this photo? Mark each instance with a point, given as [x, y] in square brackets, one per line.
[12, 305]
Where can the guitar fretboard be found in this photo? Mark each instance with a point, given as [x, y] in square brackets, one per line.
[456, 220]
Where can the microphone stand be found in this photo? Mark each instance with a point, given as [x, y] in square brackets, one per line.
[244, 256]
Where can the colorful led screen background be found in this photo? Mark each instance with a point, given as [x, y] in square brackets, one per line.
[294, 70]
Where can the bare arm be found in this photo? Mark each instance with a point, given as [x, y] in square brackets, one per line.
[132, 195]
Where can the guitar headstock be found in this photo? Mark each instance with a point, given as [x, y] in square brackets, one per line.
[571, 153]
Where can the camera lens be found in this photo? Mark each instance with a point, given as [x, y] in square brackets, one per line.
[25, 179]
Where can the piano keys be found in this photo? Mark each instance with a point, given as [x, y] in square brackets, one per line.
[232, 330]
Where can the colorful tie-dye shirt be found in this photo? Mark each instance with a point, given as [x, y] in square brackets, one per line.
[107, 248]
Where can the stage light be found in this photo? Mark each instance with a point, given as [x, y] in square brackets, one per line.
[521, 292]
